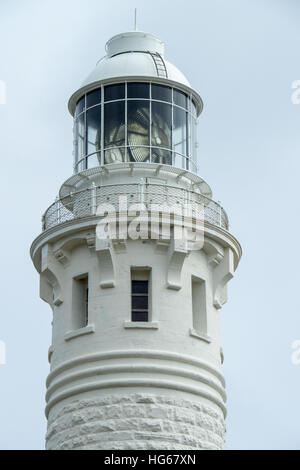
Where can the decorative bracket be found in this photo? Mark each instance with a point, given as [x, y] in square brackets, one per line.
[62, 256]
[221, 275]
[214, 251]
[177, 254]
[104, 253]
[51, 278]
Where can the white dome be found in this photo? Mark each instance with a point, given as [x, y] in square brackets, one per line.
[135, 64]
[134, 55]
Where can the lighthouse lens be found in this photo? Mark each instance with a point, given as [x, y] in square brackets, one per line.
[138, 113]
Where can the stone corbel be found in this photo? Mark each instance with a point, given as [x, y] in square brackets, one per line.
[214, 251]
[104, 254]
[119, 245]
[51, 278]
[62, 256]
[221, 275]
[90, 241]
[177, 254]
[162, 246]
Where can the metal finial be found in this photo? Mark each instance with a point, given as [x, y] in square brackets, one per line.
[135, 15]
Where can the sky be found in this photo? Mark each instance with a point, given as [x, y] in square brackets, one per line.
[242, 57]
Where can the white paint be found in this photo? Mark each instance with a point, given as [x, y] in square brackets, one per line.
[119, 384]
[295, 98]
[134, 41]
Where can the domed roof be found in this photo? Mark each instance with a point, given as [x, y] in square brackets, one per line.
[134, 64]
[134, 55]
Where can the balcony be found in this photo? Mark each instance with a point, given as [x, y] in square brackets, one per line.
[84, 203]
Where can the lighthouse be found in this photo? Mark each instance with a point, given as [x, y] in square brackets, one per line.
[134, 259]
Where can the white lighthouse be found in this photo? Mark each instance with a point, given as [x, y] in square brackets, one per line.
[136, 354]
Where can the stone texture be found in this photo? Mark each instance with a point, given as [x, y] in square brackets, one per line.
[137, 421]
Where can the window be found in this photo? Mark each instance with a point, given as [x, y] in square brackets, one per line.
[199, 305]
[138, 113]
[114, 92]
[80, 302]
[114, 131]
[135, 122]
[161, 93]
[138, 90]
[80, 106]
[180, 98]
[140, 299]
[180, 128]
[93, 128]
[94, 97]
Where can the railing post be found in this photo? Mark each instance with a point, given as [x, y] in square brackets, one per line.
[57, 202]
[220, 213]
[93, 199]
[142, 191]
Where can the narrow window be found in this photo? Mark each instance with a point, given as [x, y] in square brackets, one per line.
[80, 302]
[199, 305]
[140, 298]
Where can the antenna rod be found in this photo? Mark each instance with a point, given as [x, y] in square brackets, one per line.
[135, 14]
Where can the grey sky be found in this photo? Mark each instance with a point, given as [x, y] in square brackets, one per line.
[242, 57]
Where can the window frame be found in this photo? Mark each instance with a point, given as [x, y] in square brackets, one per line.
[189, 160]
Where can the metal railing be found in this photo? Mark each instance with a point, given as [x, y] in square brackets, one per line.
[84, 203]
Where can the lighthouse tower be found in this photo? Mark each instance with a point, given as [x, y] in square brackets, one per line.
[136, 354]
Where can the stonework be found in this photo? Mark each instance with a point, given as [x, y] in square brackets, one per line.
[137, 421]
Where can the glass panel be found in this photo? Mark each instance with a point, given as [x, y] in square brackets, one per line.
[162, 93]
[114, 92]
[80, 136]
[114, 124]
[194, 140]
[138, 123]
[139, 302]
[94, 160]
[80, 106]
[139, 287]
[114, 131]
[194, 109]
[163, 156]
[139, 316]
[81, 165]
[138, 90]
[180, 131]
[178, 161]
[93, 124]
[75, 139]
[161, 125]
[114, 155]
[180, 98]
[193, 167]
[94, 97]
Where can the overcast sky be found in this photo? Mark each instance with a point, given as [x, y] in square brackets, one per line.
[242, 57]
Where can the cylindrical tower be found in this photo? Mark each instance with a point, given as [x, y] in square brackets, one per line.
[135, 354]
